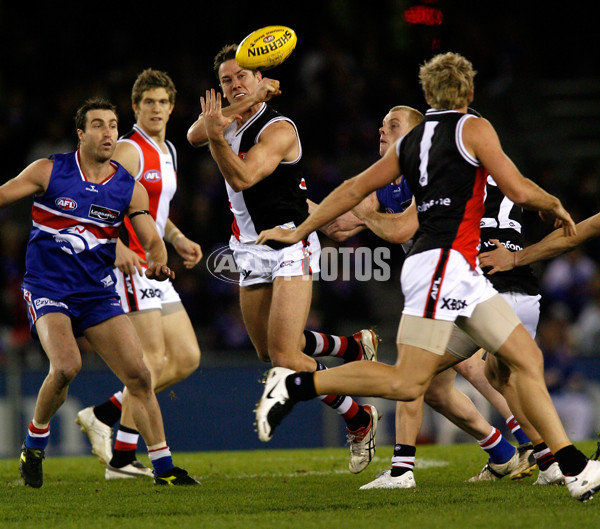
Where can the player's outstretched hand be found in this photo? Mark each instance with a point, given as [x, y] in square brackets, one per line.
[159, 272]
[499, 259]
[278, 234]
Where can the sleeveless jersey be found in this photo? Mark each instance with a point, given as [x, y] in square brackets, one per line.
[502, 221]
[71, 248]
[279, 198]
[447, 182]
[158, 174]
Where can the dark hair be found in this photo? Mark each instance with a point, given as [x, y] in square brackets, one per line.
[94, 103]
[149, 79]
[226, 53]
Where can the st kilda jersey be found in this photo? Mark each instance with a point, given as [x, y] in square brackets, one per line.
[278, 199]
[158, 174]
[502, 221]
[447, 182]
[73, 239]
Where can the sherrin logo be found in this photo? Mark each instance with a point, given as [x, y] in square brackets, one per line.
[152, 176]
[66, 203]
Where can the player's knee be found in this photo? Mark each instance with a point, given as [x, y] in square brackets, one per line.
[139, 381]
[65, 374]
[435, 398]
[405, 390]
[187, 364]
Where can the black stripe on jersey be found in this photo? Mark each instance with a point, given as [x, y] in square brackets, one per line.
[436, 283]
[132, 304]
[173, 152]
[127, 135]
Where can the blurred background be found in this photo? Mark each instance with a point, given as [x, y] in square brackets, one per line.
[538, 82]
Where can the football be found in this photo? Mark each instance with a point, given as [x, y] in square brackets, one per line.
[266, 48]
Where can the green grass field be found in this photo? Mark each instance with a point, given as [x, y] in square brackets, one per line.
[289, 489]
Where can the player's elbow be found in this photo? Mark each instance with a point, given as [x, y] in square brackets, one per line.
[195, 139]
[338, 236]
[239, 185]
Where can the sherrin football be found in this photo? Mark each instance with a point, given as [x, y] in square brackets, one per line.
[266, 48]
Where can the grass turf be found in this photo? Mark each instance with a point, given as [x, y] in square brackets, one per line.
[289, 489]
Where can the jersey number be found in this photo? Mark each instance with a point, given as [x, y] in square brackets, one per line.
[425, 146]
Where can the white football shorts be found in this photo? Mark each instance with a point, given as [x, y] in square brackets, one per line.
[261, 264]
[137, 292]
[440, 284]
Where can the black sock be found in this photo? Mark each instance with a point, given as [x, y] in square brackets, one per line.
[543, 456]
[311, 343]
[570, 460]
[345, 347]
[301, 386]
[407, 453]
[122, 458]
[360, 420]
[107, 413]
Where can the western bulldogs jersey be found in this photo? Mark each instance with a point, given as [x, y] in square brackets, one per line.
[447, 182]
[395, 198]
[502, 221]
[71, 248]
[278, 199]
[158, 174]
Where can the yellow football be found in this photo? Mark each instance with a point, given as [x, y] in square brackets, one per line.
[266, 48]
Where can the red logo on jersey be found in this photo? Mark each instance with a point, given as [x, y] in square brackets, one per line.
[152, 175]
[302, 185]
[242, 155]
[66, 203]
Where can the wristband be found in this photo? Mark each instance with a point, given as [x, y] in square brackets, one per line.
[172, 235]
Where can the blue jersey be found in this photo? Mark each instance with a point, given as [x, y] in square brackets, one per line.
[395, 198]
[73, 239]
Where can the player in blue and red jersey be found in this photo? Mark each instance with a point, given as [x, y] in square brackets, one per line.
[80, 201]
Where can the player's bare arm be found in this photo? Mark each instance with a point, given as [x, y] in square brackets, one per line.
[342, 227]
[278, 142]
[33, 180]
[127, 261]
[554, 244]
[396, 228]
[482, 142]
[267, 90]
[341, 199]
[147, 233]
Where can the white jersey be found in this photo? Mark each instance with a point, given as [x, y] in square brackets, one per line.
[158, 174]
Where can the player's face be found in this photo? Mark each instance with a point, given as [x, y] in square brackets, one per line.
[153, 110]
[236, 82]
[394, 126]
[99, 138]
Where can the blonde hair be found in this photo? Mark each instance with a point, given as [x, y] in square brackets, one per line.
[414, 117]
[447, 81]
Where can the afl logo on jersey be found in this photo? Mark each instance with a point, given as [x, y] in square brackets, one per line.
[302, 185]
[66, 203]
[152, 176]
